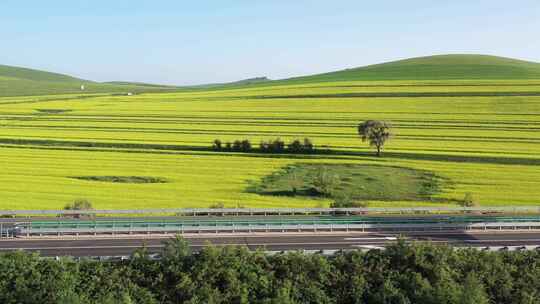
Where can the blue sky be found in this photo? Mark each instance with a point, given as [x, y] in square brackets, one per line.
[188, 42]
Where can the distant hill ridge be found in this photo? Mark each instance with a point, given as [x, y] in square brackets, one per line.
[35, 75]
[437, 67]
[248, 81]
[134, 83]
[16, 81]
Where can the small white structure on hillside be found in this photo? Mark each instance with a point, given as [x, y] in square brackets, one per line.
[82, 87]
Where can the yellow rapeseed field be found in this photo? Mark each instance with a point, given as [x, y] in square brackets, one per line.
[482, 136]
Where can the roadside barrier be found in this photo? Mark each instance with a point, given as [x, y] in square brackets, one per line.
[268, 225]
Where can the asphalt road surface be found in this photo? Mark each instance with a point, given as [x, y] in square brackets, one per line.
[124, 246]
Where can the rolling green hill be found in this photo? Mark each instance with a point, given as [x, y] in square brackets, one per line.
[438, 67]
[239, 83]
[16, 81]
[35, 75]
[141, 84]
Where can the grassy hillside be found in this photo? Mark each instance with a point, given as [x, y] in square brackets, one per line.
[439, 67]
[240, 83]
[35, 75]
[16, 81]
[429, 68]
[140, 84]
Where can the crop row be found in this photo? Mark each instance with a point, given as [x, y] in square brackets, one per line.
[488, 146]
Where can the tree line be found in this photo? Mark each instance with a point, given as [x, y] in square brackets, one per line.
[273, 146]
[375, 132]
[403, 273]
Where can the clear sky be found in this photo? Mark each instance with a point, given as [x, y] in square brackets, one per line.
[198, 41]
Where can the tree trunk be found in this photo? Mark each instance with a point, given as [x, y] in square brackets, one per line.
[378, 151]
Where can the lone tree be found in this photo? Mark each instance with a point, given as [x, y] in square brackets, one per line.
[376, 132]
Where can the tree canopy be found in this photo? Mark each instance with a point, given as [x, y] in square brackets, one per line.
[375, 132]
[416, 273]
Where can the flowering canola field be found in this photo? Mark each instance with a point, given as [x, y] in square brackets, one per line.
[483, 137]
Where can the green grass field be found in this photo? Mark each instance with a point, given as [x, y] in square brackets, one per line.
[350, 181]
[481, 134]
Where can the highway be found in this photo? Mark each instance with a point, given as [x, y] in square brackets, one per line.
[124, 245]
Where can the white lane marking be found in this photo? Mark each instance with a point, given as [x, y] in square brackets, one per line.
[368, 247]
[508, 240]
[161, 246]
[80, 247]
[387, 238]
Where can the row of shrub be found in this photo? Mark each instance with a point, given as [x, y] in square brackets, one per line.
[273, 146]
[295, 146]
[237, 145]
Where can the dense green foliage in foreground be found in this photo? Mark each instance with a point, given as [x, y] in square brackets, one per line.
[420, 273]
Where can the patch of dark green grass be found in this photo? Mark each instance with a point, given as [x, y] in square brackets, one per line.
[359, 182]
[124, 179]
[52, 111]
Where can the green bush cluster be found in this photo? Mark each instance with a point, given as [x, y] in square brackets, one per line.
[236, 146]
[346, 201]
[295, 146]
[418, 273]
[469, 201]
[325, 182]
[273, 146]
[79, 204]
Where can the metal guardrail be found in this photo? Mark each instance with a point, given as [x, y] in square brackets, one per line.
[40, 230]
[274, 211]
